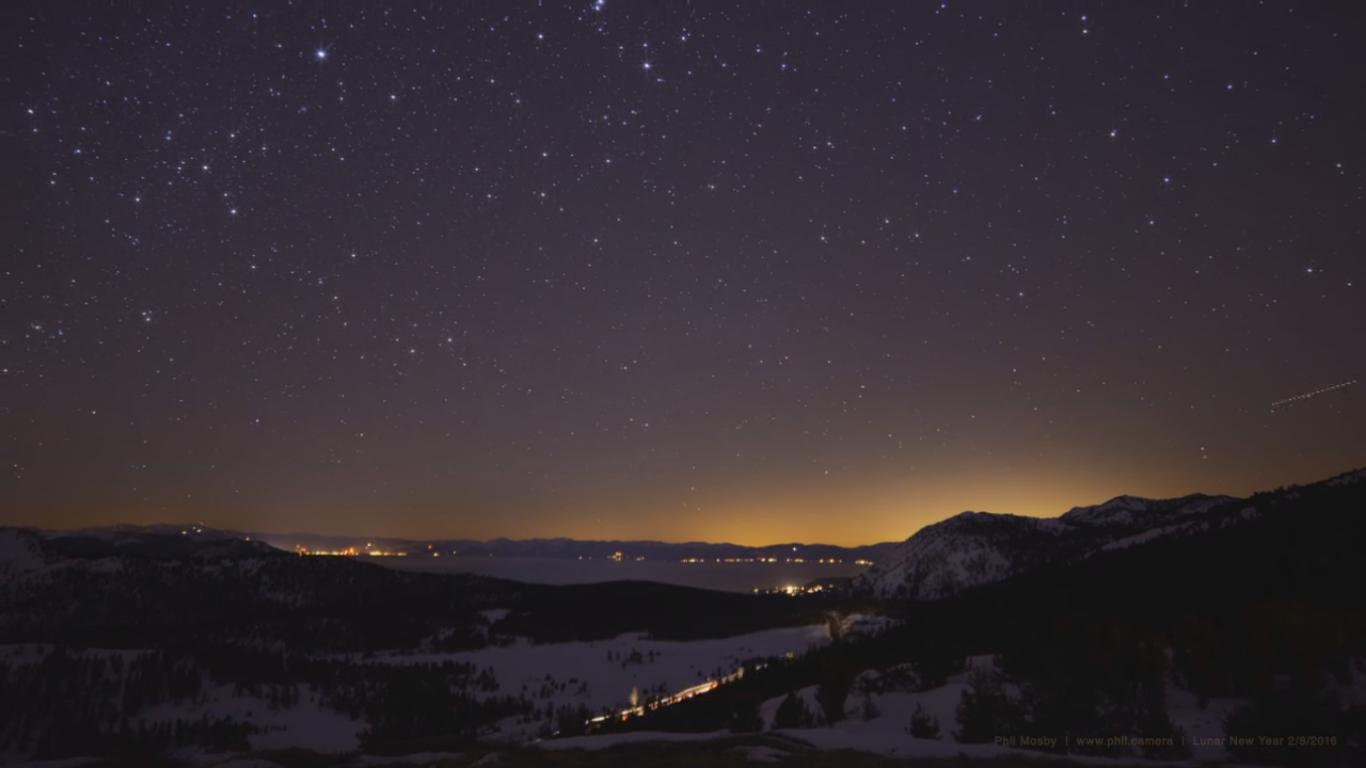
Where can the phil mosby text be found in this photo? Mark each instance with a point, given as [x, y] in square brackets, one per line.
[1110, 742]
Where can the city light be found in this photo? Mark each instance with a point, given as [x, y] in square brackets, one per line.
[351, 552]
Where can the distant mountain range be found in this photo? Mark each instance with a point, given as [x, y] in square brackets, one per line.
[574, 548]
[154, 539]
[976, 548]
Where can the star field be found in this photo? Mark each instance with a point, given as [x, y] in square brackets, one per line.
[676, 270]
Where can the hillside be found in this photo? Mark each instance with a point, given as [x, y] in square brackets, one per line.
[975, 548]
[1244, 623]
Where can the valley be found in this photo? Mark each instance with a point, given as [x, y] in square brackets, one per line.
[1079, 647]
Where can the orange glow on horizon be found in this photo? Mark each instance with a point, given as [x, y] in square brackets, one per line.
[846, 511]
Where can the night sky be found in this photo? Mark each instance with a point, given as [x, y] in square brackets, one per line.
[679, 271]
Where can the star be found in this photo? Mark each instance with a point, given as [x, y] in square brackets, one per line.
[799, 203]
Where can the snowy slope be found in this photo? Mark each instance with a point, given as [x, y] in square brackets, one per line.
[305, 725]
[602, 674]
[975, 548]
[887, 733]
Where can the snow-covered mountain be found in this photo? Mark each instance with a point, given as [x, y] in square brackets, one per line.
[974, 548]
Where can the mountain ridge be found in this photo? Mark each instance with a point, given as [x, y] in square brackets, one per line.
[972, 548]
[132, 536]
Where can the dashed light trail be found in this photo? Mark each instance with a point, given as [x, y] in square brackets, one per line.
[1309, 395]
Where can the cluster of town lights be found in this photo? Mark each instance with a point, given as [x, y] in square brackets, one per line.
[793, 590]
[372, 551]
[819, 560]
[351, 552]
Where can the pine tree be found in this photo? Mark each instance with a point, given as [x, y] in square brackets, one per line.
[984, 711]
[923, 726]
[792, 713]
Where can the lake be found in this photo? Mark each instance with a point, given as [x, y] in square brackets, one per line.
[729, 577]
